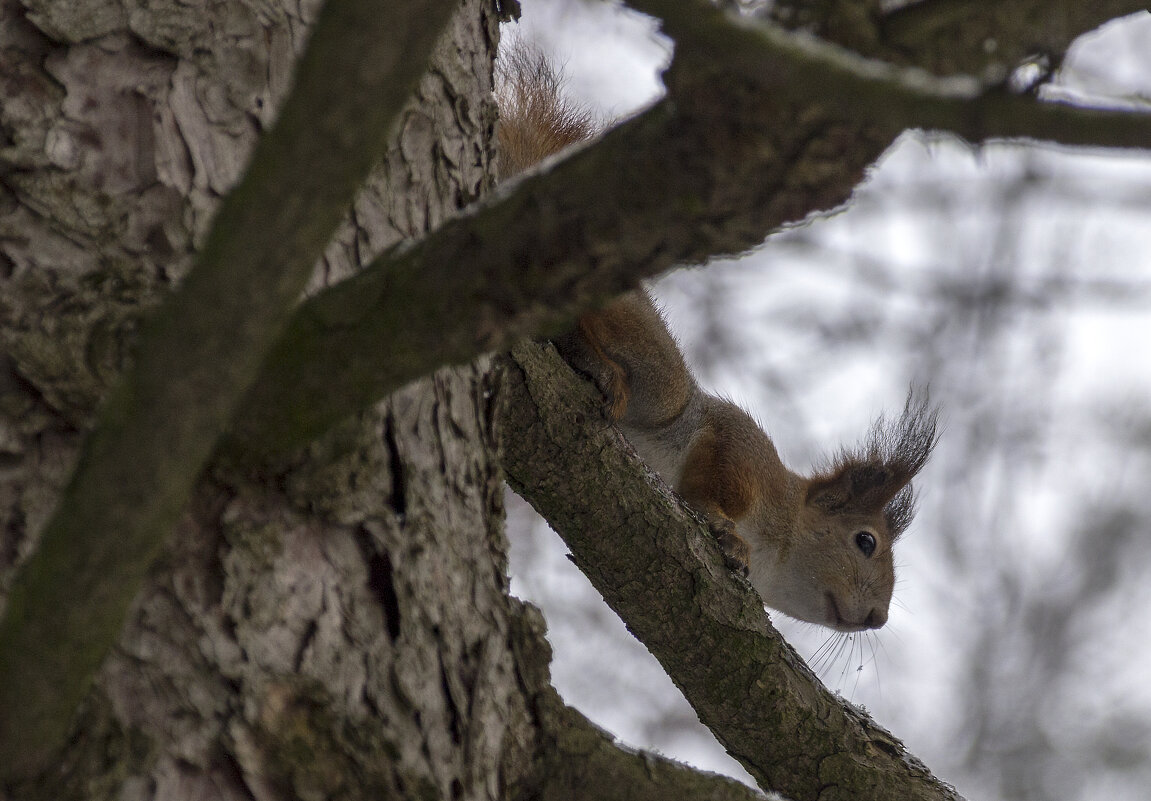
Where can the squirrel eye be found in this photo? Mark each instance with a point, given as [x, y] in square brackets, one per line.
[865, 541]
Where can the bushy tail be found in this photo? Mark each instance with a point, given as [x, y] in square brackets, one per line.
[536, 119]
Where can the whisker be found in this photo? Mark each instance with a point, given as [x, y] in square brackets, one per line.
[849, 645]
[821, 659]
[876, 646]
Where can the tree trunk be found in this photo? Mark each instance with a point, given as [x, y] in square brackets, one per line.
[337, 625]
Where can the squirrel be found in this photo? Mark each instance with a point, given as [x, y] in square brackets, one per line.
[817, 548]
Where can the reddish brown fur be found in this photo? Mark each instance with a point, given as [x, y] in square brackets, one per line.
[648, 380]
[723, 478]
[536, 120]
[594, 333]
[877, 476]
[715, 477]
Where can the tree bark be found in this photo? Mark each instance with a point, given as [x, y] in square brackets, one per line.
[338, 627]
[202, 349]
[334, 621]
[657, 565]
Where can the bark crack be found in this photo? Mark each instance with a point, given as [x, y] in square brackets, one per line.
[381, 582]
[398, 499]
[454, 723]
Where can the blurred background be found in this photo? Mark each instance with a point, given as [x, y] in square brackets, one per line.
[1013, 279]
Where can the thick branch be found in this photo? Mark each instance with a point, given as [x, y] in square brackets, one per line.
[546, 247]
[656, 565]
[867, 90]
[581, 762]
[524, 264]
[195, 361]
[952, 36]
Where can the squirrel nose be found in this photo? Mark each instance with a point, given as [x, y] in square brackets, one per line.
[873, 620]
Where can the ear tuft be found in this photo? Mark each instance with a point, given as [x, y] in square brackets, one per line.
[876, 477]
[846, 486]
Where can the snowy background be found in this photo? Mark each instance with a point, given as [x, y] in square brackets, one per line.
[1015, 281]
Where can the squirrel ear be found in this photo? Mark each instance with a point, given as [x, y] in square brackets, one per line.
[862, 487]
[876, 476]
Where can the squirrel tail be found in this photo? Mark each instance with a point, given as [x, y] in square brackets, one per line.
[624, 347]
[536, 119]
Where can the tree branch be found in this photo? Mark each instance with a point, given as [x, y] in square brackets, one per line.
[524, 264]
[581, 762]
[951, 36]
[573, 759]
[660, 570]
[546, 247]
[868, 90]
[196, 359]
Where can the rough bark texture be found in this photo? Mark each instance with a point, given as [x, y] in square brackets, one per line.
[338, 625]
[198, 354]
[657, 565]
[339, 628]
[342, 634]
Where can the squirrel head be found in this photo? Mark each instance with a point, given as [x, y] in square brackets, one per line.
[838, 569]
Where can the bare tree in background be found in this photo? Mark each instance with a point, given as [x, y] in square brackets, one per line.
[1036, 723]
[230, 569]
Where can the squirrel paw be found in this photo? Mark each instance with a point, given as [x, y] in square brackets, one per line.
[615, 396]
[611, 408]
[736, 552]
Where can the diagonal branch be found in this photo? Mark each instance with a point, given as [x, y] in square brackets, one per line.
[868, 90]
[950, 36]
[526, 262]
[581, 762]
[196, 359]
[658, 568]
